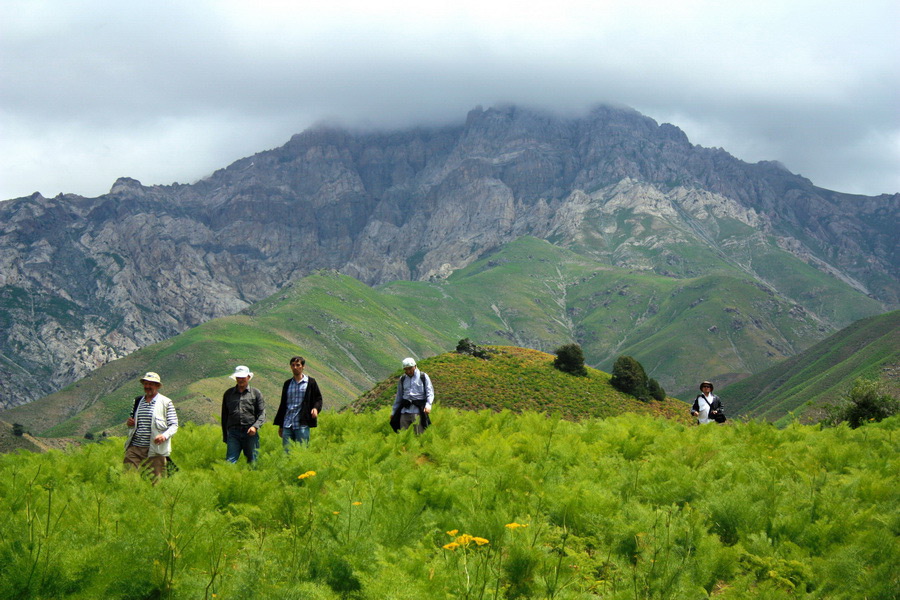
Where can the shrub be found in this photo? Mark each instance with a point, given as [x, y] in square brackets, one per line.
[18, 429]
[467, 346]
[866, 401]
[628, 376]
[570, 359]
[656, 391]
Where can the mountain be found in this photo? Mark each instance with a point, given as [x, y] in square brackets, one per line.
[86, 280]
[821, 374]
[529, 293]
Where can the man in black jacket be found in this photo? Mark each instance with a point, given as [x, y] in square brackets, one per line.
[707, 406]
[243, 413]
[301, 402]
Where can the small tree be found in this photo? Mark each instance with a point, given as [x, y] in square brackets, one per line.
[629, 376]
[656, 391]
[866, 401]
[18, 429]
[467, 346]
[570, 359]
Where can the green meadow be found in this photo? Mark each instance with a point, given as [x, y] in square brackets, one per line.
[486, 505]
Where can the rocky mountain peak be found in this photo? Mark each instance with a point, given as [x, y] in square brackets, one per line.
[90, 279]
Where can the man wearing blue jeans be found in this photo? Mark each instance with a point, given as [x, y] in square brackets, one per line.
[243, 413]
[301, 402]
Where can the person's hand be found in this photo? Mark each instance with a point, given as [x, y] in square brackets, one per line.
[314, 413]
[130, 422]
[251, 431]
[695, 413]
[159, 439]
[427, 410]
[281, 432]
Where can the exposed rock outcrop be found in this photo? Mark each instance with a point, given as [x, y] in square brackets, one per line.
[85, 280]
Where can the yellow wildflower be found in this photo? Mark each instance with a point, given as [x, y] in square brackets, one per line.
[357, 503]
[453, 532]
[480, 541]
[450, 546]
[464, 539]
[307, 474]
[336, 512]
[515, 525]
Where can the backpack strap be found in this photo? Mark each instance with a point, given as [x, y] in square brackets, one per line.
[137, 401]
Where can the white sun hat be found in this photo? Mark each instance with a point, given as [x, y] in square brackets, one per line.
[241, 371]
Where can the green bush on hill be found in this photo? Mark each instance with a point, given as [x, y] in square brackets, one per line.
[570, 359]
[866, 402]
[467, 346]
[628, 376]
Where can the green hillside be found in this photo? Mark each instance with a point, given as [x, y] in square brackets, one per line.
[483, 505]
[529, 294]
[869, 348]
[518, 379]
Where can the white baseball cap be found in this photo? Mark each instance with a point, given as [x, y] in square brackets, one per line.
[409, 362]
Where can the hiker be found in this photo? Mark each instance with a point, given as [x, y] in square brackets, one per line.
[707, 406]
[301, 402]
[152, 424]
[415, 395]
[243, 413]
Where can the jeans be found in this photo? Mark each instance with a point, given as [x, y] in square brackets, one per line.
[237, 441]
[407, 419]
[298, 434]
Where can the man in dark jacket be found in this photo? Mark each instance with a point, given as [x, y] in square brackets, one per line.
[707, 406]
[243, 413]
[301, 402]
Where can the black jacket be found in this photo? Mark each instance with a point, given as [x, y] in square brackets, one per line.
[311, 400]
[714, 407]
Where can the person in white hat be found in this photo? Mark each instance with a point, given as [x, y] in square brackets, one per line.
[243, 413]
[415, 395]
[148, 444]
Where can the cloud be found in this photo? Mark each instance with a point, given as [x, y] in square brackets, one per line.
[169, 91]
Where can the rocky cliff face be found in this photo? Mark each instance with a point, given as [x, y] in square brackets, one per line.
[86, 280]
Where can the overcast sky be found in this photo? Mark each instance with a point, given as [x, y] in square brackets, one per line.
[168, 91]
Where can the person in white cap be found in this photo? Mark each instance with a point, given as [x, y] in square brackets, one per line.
[243, 413]
[148, 444]
[415, 395]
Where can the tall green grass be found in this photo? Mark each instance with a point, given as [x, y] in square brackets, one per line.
[484, 505]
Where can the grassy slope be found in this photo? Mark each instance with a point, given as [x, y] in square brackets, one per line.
[822, 373]
[530, 294]
[621, 508]
[9, 442]
[519, 379]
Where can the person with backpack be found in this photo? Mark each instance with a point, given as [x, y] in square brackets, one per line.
[414, 398]
[707, 406]
[152, 424]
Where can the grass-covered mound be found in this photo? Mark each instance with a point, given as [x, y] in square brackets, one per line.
[519, 379]
[486, 505]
